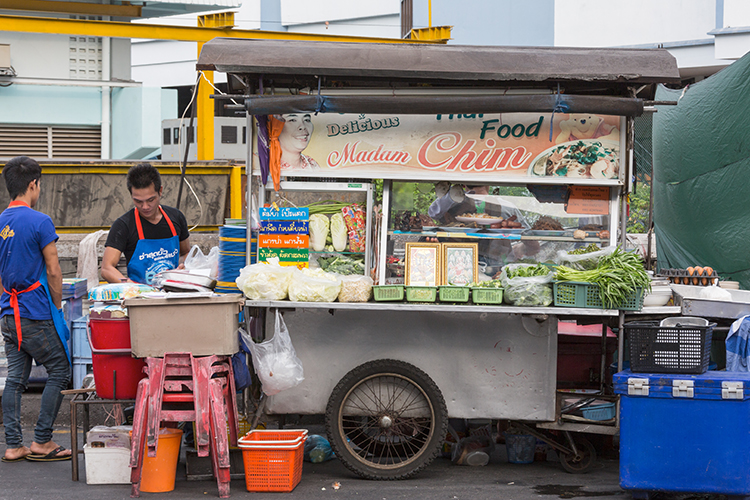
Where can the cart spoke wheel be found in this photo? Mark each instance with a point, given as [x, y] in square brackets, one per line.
[582, 461]
[386, 419]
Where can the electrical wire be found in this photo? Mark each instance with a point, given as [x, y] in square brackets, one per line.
[217, 90]
[182, 144]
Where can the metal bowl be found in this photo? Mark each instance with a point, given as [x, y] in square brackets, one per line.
[185, 277]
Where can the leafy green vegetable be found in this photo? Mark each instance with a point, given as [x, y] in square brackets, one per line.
[528, 294]
[338, 232]
[318, 231]
[618, 274]
[528, 271]
[342, 264]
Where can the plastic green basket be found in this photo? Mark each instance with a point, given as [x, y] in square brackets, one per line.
[388, 293]
[586, 295]
[454, 293]
[481, 295]
[421, 293]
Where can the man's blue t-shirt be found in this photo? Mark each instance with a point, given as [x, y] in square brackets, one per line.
[24, 232]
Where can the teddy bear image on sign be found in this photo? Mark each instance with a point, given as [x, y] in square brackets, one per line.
[580, 126]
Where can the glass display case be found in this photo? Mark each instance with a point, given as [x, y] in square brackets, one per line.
[509, 223]
[303, 193]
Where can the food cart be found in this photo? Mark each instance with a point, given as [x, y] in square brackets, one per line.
[388, 375]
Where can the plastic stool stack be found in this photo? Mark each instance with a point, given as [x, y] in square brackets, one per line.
[182, 388]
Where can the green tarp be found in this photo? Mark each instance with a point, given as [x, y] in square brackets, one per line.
[702, 175]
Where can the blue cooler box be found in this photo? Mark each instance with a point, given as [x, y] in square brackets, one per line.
[685, 433]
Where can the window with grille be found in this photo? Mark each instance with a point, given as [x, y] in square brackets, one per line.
[228, 134]
[85, 54]
[50, 141]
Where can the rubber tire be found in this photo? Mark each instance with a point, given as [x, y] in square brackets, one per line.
[586, 457]
[412, 463]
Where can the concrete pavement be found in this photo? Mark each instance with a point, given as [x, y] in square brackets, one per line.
[441, 480]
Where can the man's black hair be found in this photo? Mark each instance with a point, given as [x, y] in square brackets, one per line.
[18, 173]
[142, 175]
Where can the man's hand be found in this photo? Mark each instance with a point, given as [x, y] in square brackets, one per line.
[441, 189]
[457, 193]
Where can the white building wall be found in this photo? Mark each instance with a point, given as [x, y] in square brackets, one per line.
[38, 56]
[613, 23]
[165, 63]
[388, 26]
[307, 12]
[736, 13]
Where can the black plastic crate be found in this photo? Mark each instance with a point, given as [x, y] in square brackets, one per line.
[669, 349]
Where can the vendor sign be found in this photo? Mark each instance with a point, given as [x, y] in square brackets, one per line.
[284, 235]
[535, 146]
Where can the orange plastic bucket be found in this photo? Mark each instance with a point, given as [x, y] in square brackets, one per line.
[159, 472]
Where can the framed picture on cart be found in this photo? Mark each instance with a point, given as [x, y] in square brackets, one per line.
[459, 261]
[422, 264]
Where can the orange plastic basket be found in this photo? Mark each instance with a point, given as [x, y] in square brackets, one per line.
[273, 459]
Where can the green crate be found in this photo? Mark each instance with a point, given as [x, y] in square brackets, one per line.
[482, 295]
[388, 293]
[454, 293]
[575, 294]
[421, 293]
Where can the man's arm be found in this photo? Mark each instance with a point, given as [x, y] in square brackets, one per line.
[54, 273]
[110, 259]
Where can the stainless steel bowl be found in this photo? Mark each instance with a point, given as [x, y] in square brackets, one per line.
[185, 277]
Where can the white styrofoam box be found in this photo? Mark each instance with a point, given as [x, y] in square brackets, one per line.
[110, 437]
[107, 465]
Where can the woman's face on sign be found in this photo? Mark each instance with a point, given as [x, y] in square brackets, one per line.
[296, 133]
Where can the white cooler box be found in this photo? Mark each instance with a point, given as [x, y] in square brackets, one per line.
[107, 465]
[107, 453]
[202, 326]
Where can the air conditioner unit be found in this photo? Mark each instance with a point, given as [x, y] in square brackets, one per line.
[229, 139]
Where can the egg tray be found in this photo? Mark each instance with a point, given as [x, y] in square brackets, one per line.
[678, 276]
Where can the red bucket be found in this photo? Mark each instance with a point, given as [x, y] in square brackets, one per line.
[116, 372]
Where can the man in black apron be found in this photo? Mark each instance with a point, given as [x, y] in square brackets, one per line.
[153, 237]
[32, 321]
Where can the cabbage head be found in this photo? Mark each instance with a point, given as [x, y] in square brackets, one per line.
[318, 231]
[338, 232]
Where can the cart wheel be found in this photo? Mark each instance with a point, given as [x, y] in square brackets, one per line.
[386, 419]
[583, 461]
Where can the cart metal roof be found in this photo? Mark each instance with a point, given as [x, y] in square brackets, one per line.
[452, 65]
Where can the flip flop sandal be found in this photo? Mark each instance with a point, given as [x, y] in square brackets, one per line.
[9, 460]
[52, 456]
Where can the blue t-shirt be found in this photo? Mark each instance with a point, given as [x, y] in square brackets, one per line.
[24, 232]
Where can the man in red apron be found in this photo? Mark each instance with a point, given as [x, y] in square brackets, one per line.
[32, 322]
[153, 237]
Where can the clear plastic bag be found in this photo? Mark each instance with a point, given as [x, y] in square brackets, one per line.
[314, 285]
[530, 291]
[355, 288]
[584, 261]
[265, 281]
[276, 362]
[197, 261]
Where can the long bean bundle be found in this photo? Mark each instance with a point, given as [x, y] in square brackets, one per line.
[617, 274]
[327, 207]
